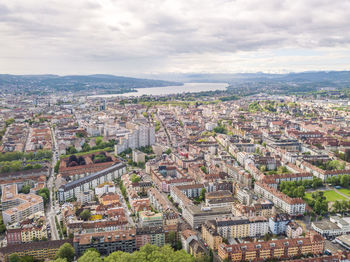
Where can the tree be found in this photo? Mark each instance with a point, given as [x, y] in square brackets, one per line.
[2, 228]
[118, 256]
[14, 258]
[168, 151]
[204, 169]
[300, 191]
[345, 181]
[25, 189]
[57, 166]
[172, 238]
[344, 205]
[28, 167]
[45, 194]
[135, 178]
[85, 215]
[37, 166]
[90, 256]
[71, 150]
[66, 251]
[60, 260]
[202, 197]
[267, 237]
[316, 182]
[27, 259]
[337, 206]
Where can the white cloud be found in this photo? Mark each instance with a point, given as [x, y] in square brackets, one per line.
[137, 36]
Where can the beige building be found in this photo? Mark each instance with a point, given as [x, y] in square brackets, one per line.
[138, 156]
[17, 207]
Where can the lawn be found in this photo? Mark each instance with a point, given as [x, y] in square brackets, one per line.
[345, 191]
[331, 196]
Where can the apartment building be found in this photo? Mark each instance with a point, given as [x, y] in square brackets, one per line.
[16, 207]
[74, 188]
[275, 249]
[195, 216]
[240, 227]
[245, 196]
[292, 206]
[261, 208]
[38, 250]
[150, 219]
[278, 223]
[150, 235]
[186, 237]
[137, 136]
[29, 233]
[211, 236]
[157, 200]
[106, 242]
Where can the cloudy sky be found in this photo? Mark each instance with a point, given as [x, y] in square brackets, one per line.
[133, 37]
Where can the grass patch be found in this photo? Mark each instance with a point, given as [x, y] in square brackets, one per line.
[345, 191]
[331, 196]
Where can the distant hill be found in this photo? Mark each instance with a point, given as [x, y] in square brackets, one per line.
[42, 84]
[230, 78]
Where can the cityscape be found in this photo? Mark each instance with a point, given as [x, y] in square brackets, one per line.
[149, 131]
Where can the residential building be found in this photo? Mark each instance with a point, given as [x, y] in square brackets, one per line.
[39, 250]
[150, 219]
[105, 242]
[72, 189]
[275, 249]
[150, 235]
[136, 137]
[292, 206]
[195, 216]
[16, 207]
[293, 230]
[278, 223]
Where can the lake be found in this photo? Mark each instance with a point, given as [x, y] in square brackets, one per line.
[170, 90]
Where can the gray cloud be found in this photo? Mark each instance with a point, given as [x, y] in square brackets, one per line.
[138, 36]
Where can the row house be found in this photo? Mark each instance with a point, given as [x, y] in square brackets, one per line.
[292, 206]
[275, 249]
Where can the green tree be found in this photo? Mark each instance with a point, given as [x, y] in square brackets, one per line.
[202, 197]
[28, 167]
[37, 166]
[300, 191]
[27, 259]
[263, 168]
[337, 206]
[14, 258]
[57, 166]
[172, 238]
[345, 181]
[85, 215]
[66, 251]
[60, 260]
[25, 189]
[90, 256]
[135, 178]
[168, 151]
[119, 256]
[151, 253]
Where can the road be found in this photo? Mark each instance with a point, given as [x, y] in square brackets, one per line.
[52, 208]
[127, 211]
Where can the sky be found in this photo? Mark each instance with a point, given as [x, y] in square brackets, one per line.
[136, 37]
